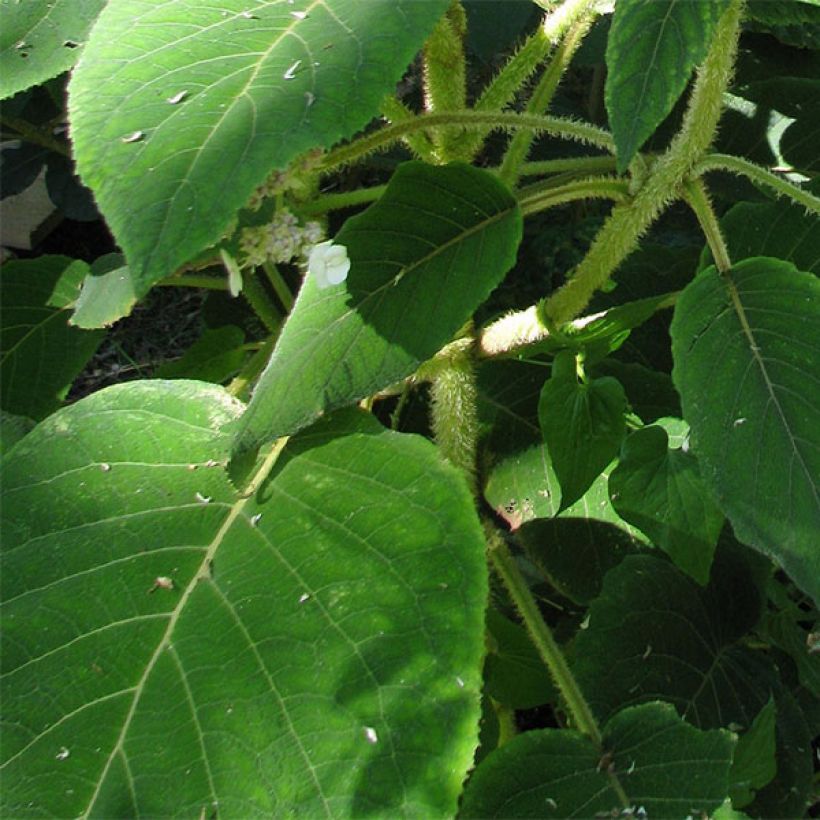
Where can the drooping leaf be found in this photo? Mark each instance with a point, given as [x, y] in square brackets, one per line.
[652, 48]
[560, 773]
[174, 145]
[583, 425]
[423, 258]
[660, 491]
[754, 762]
[214, 357]
[108, 293]
[40, 355]
[747, 359]
[776, 229]
[40, 39]
[172, 648]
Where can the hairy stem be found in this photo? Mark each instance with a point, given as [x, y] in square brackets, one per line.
[628, 222]
[537, 198]
[261, 303]
[697, 198]
[336, 202]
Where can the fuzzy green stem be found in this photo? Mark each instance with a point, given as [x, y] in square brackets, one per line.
[628, 222]
[420, 144]
[209, 282]
[476, 120]
[280, 286]
[538, 198]
[541, 98]
[576, 165]
[261, 303]
[454, 413]
[697, 198]
[37, 136]
[548, 649]
[742, 167]
[336, 202]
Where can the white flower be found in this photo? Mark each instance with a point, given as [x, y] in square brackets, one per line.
[328, 263]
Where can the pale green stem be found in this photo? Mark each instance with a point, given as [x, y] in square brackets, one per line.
[736, 165]
[579, 165]
[541, 98]
[379, 140]
[336, 202]
[628, 222]
[697, 198]
[538, 199]
[280, 286]
[262, 306]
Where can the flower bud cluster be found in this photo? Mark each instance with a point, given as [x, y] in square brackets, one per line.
[281, 240]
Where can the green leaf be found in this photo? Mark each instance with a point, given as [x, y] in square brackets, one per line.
[173, 146]
[560, 773]
[652, 48]
[316, 649]
[40, 355]
[746, 363]
[514, 673]
[423, 258]
[214, 357]
[40, 39]
[776, 229]
[754, 762]
[108, 293]
[650, 393]
[660, 491]
[12, 429]
[583, 425]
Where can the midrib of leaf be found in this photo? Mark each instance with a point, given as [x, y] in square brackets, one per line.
[755, 351]
[165, 641]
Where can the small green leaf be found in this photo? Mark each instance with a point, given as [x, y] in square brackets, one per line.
[214, 357]
[583, 425]
[423, 258]
[652, 48]
[108, 293]
[660, 491]
[754, 763]
[747, 355]
[40, 355]
[169, 647]
[560, 773]
[40, 39]
[174, 146]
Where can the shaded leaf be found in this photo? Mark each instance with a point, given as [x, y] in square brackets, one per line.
[660, 491]
[423, 258]
[559, 773]
[12, 429]
[747, 359]
[583, 423]
[754, 762]
[40, 355]
[19, 166]
[170, 647]
[214, 357]
[174, 147]
[40, 39]
[652, 48]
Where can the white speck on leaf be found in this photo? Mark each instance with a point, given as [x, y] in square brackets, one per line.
[291, 72]
[255, 519]
[203, 499]
[309, 98]
[460, 682]
[739, 421]
[62, 754]
[135, 137]
[177, 98]
[647, 652]
[106, 468]
[328, 264]
[304, 597]
[370, 735]
[551, 803]
[299, 15]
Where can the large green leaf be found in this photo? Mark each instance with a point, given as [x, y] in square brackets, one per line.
[171, 648]
[40, 355]
[747, 359]
[180, 109]
[652, 48]
[665, 767]
[423, 258]
[583, 425]
[40, 39]
[660, 491]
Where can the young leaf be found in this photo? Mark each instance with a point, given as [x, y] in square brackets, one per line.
[179, 110]
[40, 355]
[423, 258]
[314, 648]
[652, 48]
[40, 39]
[754, 763]
[660, 491]
[560, 773]
[583, 425]
[108, 293]
[747, 354]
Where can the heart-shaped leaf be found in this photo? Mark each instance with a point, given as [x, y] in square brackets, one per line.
[311, 649]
